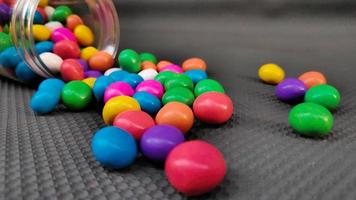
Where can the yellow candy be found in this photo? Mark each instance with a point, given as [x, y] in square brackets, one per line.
[41, 32]
[87, 53]
[118, 105]
[84, 35]
[43, 3]
[90, 82]
[271, 73]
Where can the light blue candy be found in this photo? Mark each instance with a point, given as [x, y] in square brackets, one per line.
[45, 46]
[119, 75]
[148, 102]
[52, 84]
[133, 80]
[44, 101]
[114, 147]
[196, 75]
[24, 72]
[10, 58]
[38, 19]
[100, 86]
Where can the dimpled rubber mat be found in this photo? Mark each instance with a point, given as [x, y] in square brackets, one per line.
[49, 157]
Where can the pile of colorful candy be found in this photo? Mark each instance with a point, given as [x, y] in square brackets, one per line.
[151, 106]
[63, 43]
[313, 117]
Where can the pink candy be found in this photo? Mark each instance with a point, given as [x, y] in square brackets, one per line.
[172, 68]
[151, 86]
[118, 89]
[62, 34]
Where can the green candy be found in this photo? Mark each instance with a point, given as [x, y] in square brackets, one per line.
[130, 61]
[325, 95]
[148, 57]
[162, 77]
[179, 80]
[311, 119]
[6, 29]
[179, 94]
[76, 95]
[5, 41]
[208, 85]
[61, 13]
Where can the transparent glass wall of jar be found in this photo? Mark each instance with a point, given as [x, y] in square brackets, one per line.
[99, 15]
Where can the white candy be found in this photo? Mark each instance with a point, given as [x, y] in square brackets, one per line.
[54, 25]
[49, 11]
[148, 74]
[52, 61]
[111, 70]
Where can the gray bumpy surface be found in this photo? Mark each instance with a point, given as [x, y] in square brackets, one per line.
[49, 157]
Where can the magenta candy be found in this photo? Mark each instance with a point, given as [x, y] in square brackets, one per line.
[118, 89]
[172, 68]
[62, 34]
[151, 86]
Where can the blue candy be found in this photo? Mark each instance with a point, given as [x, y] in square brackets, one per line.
[148, 102]
[118, 75]
[42, 47]
[100, 86]
[38, 19]
[133, 80]
[44, 101]
[114, 147]
[51, 84]
[10, 58]
[24, 72]
[196, 75]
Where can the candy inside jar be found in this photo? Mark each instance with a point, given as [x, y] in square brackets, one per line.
[37, 37]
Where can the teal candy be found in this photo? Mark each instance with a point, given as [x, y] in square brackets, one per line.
[44, 101]
[10, 58]
[24, 73]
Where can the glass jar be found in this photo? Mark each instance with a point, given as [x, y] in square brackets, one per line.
[99, 15]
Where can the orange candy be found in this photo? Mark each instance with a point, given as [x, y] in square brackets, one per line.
[312, 78]
[148, 65]
[73, 21]
[176, 114]
[194, 63]
[101, 61]
[163, 64]
[0, 28]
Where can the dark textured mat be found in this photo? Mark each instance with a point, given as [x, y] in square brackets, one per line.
[48, 157]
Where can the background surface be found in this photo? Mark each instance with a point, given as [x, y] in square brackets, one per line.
[49, 157]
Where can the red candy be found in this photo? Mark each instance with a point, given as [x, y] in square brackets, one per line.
[67, 49]
[43, 13]
[213, 108]
[71, 70]
[195, 168]
[134, 122]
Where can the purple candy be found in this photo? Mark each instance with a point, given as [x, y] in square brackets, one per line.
[84, 64]
[92, 73]
[4, 13]
[118, 89]
[157, 142]
[172, 68]
[63, 34]
[291, 90]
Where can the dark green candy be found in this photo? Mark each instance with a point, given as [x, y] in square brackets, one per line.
[130, 61]
[208, 85]
[179, 80]
[325, 95]
[163, 76]
[61, 13]
[311, 119]
[148, 57]
[5, 41]
[76, 95]
[6, 29]
[179, 94]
